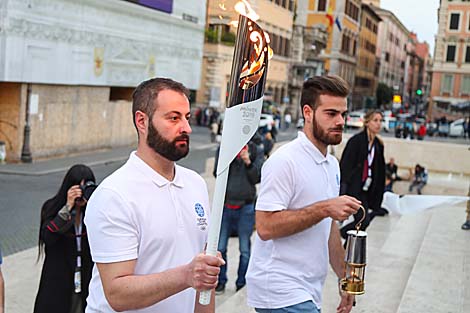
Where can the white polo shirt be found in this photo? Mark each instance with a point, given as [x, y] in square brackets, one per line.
[135, 213]
[292, 269]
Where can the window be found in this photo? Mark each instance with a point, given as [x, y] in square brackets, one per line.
[321, 5]
[402, 64]
[467, 55]
[387, 56]
[345, 44]
[450, 56]
[374, 29]
[447, 82]
[454, 21]
[351, 10]
[465, 86]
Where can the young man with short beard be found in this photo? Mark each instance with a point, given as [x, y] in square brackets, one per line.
[297, 210]
[148, 221]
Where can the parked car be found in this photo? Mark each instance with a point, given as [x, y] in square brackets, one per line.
[266, 120]
[355, 119]
[443, 129]
[456, 128]
[300, 123]
[388, 121]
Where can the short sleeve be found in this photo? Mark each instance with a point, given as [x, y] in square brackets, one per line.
[277, 185]
[112, 232]
[1, 260]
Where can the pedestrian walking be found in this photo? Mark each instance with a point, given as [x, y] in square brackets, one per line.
[239, 210]
[287, 120]
[363, 171]
[297, 209]
[66, 272]
[148, 221]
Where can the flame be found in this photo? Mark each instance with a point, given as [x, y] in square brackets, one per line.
[244, 8]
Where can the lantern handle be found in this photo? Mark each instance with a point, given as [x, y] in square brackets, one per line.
[358, 225]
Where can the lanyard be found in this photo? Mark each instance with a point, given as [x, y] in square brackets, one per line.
[370, 159]
[78, 238]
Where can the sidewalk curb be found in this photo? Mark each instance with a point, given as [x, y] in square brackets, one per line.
[60, 169]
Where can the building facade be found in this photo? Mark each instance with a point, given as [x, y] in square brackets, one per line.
[341, 20]
[450, 91]
[392, 50]
[276, 18]
[366, 77]
[308, 46]
[68, 68]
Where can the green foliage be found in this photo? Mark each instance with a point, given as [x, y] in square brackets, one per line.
[228, 38]
[384, 94]
[211, 35]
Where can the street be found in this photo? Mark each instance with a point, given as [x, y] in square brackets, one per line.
[21, 196]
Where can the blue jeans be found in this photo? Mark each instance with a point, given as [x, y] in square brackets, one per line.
[304, 307]
[243, 219]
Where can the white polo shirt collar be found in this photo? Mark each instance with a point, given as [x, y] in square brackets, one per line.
[311, 149]
[158, 179]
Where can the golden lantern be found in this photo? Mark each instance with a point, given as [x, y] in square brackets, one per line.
[355, 259]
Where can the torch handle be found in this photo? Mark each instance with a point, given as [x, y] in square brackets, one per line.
[214, 229]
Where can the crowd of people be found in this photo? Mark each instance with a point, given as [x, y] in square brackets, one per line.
[137, 244]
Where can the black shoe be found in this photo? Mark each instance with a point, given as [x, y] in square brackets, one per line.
[239, 287]
[220, 289]
[466, 225]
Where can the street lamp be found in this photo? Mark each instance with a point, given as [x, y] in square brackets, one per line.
[26, 156]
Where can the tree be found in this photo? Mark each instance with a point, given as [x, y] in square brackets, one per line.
[384, 94]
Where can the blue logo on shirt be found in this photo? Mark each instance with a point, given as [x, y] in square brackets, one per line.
[199, 209]
[337, 179]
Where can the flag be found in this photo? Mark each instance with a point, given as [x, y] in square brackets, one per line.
[338, 23]
[329, 16]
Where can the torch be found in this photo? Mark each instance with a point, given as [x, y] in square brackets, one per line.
[355, 259]
[242, 115]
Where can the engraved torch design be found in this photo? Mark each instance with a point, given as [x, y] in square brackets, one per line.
[245, 101]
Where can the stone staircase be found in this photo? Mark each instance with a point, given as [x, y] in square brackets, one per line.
[417, 263]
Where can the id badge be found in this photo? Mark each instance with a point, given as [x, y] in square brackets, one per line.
[77, 280]
[367, 184]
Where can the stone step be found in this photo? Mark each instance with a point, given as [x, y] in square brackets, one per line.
[393, 244]
[440, 278]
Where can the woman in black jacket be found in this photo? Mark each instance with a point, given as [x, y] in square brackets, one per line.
[66, 272]
[363, 170]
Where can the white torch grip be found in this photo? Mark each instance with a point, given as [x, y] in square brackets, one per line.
[214, 230]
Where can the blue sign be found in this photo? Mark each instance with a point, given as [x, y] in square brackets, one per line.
[160, 5]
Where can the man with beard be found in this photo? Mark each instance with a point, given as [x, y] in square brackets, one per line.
[147, 222]
[297, 210]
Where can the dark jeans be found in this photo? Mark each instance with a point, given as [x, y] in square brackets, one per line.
[419, 184]
[243, 219]
[304, 307]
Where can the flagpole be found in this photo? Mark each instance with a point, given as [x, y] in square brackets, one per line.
[241, 117]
